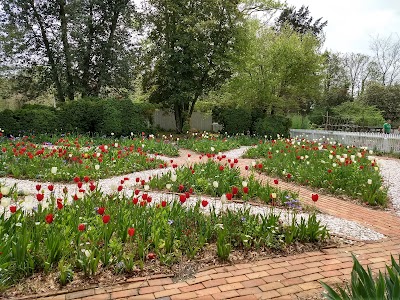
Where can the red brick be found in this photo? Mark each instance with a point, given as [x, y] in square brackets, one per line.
[221, 275]
[330, 273]
[271, 286]
[215, 282]
[142, 297]
[184, 296]
[242, 272]
[253, 282]
[208, 291]
[292, 281]
[249, 291]
[277, 271]
[176, 285]
[309, 285]
[293, 274]
[167, 293]
[257, 275]
[150, 290]
[198, 279]
[331, 262]
[311, 271]
[124, 293]
[192, 288]
[225, 295]
[269, 295]
[79, 294]
[289, 290]
[312, 277]
[231, 286]
[273, 278]
[160, 281]
[236, 279]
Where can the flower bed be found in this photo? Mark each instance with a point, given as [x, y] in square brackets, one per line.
[67, 158]
[220, 180]
[336, 168]
[214, 143]
[98, 232]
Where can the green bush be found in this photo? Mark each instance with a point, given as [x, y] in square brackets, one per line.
[102, 116]
[234, 120]
[272, 126]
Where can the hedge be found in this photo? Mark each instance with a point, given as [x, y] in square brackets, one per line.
[94, 116]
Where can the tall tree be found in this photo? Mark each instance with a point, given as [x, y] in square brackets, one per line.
[358, 69]
[278, 71]
[85, 44]
[387, 58]
[300, 21]
[192, 45]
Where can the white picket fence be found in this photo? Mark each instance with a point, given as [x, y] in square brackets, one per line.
[376, 141]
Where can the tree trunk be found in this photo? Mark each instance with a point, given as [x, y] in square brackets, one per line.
[88, 55]
[49, 52]
[179, 119]
[64, 38]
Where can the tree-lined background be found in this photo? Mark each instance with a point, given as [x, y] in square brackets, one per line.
[259, 60]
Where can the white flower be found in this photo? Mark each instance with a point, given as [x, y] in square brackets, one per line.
[330, 156]
[173, 177]
[334, 165]
[369, 181]
[79, 195]
[273, 195]
[219, 226]
[98, 154]
[371, 152]
[342, 159]
[359, 154]
[131, 133]
[18, 224]
[345, 155]
[5, 190]
[212, 149]
[70, 155]
[244, 183]
[116, 145]
[353, 157]
[253, 163]
[5, 202]
[112, 133]
[53, 170]
[105, 147]
[168, 186]
[97, 167]
[215, 184]
[376, 168]
[146, 187]
[223, 198]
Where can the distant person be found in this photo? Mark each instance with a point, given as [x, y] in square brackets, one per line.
[387, 127]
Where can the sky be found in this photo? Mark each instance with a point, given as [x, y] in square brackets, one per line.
[352, 24]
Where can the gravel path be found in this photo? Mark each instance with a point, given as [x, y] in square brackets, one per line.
[389, 169]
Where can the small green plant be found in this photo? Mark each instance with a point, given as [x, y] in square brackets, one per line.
[66, 273]
[223, 244]
[363, 285]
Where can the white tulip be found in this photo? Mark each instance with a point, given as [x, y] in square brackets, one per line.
[5, 190]
[53, 170]
[244, 183]
[168, 186]
[97, 167]
[215, 184]
[173, 177]
[146, 187]
[5, 202]
[369, 181]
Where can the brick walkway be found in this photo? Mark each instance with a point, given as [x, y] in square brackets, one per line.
[291, 277]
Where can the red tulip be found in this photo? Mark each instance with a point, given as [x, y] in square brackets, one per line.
[235, 190]
[246, 190]
[149, 199]
[137, 179]
[80, 183]
[49, 218]
[51, 187]
[101, 210]
[106, 219]
[182, 198]
[187, 195]
[246, 168]
[135, 200]
[314, 197]
[142, 182]
[144, 196]
[329, 171]
[276, 181]
[289, 175]
[38, 187]
[81, 227]
[235, 160]
[163, 203]
[151, 255]
[77, 179]
[260, 166]
[131, 231]
[86, 179]
[13, 209]
[59, 205]
[137, 192]
[204, 203]
[228, 196]
[221, 168]
[181, 187]
[92, 187]
[120, 187]
[40, 197]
